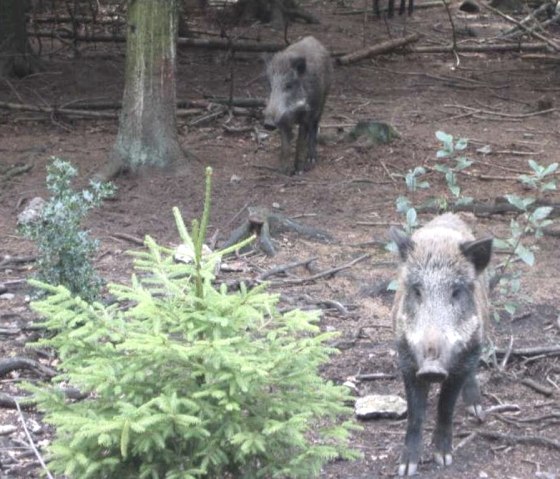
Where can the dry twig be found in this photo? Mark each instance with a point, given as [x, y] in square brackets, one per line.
[31, 443]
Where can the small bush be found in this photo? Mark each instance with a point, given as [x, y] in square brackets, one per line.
[65, 250]
[188, 380]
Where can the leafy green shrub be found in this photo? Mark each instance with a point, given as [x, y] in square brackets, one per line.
[530, 222]
[65, 250]
[188, 380]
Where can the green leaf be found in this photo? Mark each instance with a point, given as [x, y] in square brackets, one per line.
[550, 169]
[511, 308]
[516, 201]
[461, 144]
[525, 254]
[541, 213]
[538, 169]
[444, 137]
[411, 217]
[500, 244]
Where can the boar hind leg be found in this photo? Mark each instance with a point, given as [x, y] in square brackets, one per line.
[286, 164]
[471, 396]
[443, 433]
[416, 397]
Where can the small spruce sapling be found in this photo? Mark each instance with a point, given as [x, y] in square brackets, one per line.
[187, 380]
[66, 250]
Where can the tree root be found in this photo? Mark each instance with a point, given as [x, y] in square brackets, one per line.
[264, 225]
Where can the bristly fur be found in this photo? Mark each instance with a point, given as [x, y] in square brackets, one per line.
[439, 313]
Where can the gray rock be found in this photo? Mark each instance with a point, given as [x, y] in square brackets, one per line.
[377, 406]
[32, 211]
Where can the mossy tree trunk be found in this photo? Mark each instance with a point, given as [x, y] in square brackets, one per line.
[148, 130]
[16, 56]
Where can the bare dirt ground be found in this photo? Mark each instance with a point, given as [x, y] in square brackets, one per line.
[351, 193]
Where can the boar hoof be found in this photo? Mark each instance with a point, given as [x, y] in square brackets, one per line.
[477, 411]
[443, 459]
[407, 469]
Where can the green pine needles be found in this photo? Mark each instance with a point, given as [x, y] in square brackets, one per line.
[187, 380]
[65, 250]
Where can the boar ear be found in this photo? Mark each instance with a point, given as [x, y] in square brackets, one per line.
[404, 242]
[478, 252]
[266, 57]
[299, 65]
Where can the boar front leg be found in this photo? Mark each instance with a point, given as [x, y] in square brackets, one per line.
[312, 145]
[286, 161]
[443, 433]
[302, 143]
[416, 398]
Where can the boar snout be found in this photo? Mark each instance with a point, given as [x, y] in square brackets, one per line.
[432, 371]
[432, 354]
[269, 125]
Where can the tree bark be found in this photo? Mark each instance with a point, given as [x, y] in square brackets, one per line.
[16, 56]
[147, 128]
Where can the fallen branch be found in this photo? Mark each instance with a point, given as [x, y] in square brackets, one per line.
[374, 376]
[513, 439]
[31, 443]
[331, 303]
[11, 260]
[493, 47]
[551, 350]
[55, 110]
[369, 12]
[284, 267]
[10, 331]
[29, 402]
[15, 363]
[322, 274]
[505, 115]
[127, 237]
[377, 49]
[549, 42]
[540, 388]
[209, 44]
[242, 102]
[16, 170]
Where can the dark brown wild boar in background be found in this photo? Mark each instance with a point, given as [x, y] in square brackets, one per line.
[300, 78]
[439, 313]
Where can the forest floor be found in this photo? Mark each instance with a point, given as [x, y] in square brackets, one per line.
[493, 99]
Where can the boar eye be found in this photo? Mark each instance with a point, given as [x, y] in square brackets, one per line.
[288, 86]
[457, 292]
[416, 291]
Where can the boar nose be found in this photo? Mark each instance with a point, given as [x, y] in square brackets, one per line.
[432, 371]
[269, 125]
[432, 368]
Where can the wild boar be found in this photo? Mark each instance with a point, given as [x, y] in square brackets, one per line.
[439, 313]
[300, 78]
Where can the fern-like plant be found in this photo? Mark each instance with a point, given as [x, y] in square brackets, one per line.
[188, 380]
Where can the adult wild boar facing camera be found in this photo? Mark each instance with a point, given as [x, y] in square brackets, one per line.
[299, 78]
[439, 313]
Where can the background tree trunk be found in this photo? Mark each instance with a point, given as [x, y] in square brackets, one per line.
[16, 56]
[148, 130]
